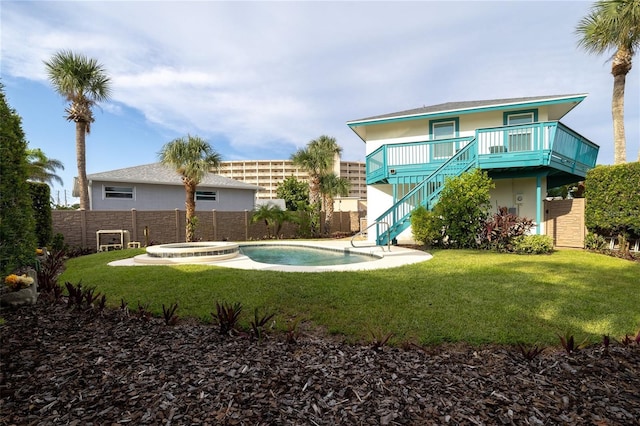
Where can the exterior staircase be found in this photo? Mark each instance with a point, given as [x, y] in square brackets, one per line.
[398, 218]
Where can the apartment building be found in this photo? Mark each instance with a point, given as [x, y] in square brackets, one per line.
[269, 173]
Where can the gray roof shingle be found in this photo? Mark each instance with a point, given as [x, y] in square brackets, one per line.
[157, 173]
[457, 106]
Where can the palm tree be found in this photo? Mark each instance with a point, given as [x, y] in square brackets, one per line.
[43, 168]
[614, 25]
[331, 185]
[273, 217]
[83, 82]
[317, 160]
[192, 157]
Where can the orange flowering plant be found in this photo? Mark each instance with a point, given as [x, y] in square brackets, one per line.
[18, 282]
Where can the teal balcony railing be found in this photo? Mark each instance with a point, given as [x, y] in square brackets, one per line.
[419, 158]
[549, 144]
[425, 193]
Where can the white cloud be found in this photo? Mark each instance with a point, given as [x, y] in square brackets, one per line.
[264, 73]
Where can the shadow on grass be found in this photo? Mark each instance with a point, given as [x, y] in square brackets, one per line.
[477, 297]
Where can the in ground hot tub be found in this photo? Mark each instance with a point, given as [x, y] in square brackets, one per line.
[198, 252]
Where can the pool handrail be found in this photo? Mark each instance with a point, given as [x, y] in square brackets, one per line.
[365, 230]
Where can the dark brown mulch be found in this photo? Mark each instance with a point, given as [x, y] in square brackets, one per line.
[60, 366]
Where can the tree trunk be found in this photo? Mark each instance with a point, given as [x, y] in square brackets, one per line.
[621, 65]
[190, 205]
[316, 204]
[328, 211]
[81, 161]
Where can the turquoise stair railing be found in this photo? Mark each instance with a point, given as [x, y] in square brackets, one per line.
[425, 193]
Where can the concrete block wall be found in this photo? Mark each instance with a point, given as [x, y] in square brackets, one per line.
[564, 221]
[79, 227]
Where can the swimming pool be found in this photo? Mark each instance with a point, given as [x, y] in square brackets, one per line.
[281, 254]
[378, 257]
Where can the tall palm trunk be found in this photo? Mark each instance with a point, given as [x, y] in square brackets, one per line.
[190, 205]
[328, 212]
[81, 161]
[620, 67]
[315, 202]
[314, 189]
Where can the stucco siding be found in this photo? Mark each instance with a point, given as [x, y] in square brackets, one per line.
[168, 197]
[408, 131]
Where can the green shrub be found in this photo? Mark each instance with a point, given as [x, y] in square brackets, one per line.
[502, 228]
[613, 200]
[464, 206]
[533, 244]
[17, 229]
[41, 201]
[595, 242]
[426, 226]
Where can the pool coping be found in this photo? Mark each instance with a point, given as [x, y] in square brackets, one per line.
[389, 257]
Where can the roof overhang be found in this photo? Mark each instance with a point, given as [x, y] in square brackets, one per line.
[558, 107]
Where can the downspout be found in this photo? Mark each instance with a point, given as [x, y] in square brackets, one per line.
[538, 202]
[90, 185]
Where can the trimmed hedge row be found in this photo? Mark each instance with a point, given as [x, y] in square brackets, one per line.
[17, 229]
[41, 199]
[613, 200]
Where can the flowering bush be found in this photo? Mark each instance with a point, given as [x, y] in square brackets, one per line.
[18, 282]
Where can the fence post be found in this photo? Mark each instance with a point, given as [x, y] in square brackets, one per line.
[177, 225]
[246, 225]
[214, 219]
[83, 228]
[134, 225]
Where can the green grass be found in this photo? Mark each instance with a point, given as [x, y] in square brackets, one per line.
[459, 295]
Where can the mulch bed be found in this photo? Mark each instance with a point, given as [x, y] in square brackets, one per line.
[65, 366]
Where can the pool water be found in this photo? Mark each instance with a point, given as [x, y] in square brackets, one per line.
[301, 256]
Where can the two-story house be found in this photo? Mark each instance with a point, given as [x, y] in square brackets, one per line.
[519, 142]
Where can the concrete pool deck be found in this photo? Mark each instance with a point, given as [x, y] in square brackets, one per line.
[397, 256]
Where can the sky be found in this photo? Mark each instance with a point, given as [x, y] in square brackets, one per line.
[259, 80]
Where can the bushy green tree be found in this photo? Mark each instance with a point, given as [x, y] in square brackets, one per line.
[613, 200]
[41, 202]
[463, 207]
[426, 226]
[294, 192]
[17, 229]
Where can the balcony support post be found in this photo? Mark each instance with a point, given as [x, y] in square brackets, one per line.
[538, 202]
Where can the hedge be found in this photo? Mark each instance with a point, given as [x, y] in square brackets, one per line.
[613, 200]
[41, 199]
[17, 229]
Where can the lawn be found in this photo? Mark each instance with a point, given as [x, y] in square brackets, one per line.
[460, 295]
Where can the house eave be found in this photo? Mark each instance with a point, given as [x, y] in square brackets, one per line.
[571, 100]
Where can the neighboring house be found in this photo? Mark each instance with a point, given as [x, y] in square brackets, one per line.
[158, 187]
[519, 142]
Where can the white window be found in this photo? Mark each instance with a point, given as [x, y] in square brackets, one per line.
[520, 139]
[443, 130]
[443, 150]
[120, 192]
[206, 196]
[520, 118]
